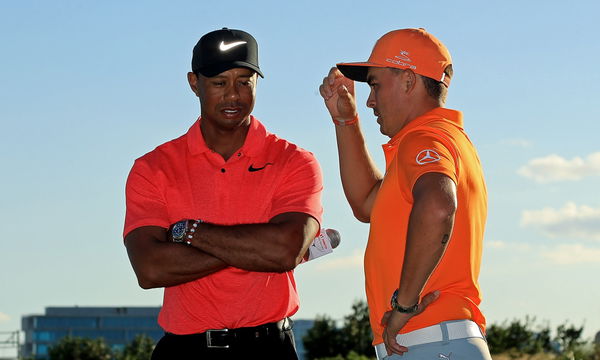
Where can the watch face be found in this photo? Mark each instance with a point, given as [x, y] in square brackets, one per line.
[178, 231]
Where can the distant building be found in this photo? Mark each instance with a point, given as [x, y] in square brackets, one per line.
[300, 329]
[117, 325]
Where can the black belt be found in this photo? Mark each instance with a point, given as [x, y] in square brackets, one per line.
[223, 338]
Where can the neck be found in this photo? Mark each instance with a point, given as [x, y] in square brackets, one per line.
[422, 107]
[224, 141]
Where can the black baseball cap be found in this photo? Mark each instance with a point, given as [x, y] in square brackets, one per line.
[225, 49]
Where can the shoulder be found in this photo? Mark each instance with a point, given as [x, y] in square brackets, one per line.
[439, 131]
[163, 152]
[287, 150]
[435, 138]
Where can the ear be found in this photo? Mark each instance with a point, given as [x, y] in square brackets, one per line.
[410, 79]
[193, 81]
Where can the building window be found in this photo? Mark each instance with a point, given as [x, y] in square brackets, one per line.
[41, 349]
[42, 336]
[66, 322]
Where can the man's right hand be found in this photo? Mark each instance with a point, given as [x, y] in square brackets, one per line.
[392, 321]
[338, 93]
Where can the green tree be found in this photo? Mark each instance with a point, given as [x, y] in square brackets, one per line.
[497, 336]
[518, 338]
[323, 339]
[542, 341]
[351, 342]
[140, 348]
[568, 337]
[596, 351]
[513, 338]
[356, 331]
[75, 348]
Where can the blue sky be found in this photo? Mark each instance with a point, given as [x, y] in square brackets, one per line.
[86, 87]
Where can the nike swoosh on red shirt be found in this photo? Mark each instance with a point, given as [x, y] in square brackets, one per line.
[252, 168]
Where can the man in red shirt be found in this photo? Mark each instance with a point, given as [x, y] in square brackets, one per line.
[427, 212]
[221, 216]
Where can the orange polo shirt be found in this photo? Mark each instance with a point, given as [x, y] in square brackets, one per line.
[434, 142]
[184, 179]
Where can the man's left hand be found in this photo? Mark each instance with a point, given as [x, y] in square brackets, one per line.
[393, 321]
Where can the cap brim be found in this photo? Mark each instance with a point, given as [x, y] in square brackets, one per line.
[216, 69]
[356, 71]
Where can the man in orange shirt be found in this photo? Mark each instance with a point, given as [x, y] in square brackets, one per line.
[221, 216]
[427, 213]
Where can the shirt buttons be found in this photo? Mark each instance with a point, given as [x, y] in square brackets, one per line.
[223, 170]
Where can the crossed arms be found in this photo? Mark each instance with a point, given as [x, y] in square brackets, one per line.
[276, 246]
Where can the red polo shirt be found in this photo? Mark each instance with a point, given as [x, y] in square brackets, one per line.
[184, 179]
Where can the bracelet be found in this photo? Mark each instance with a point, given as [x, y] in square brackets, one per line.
[192, 231]
[353, 121]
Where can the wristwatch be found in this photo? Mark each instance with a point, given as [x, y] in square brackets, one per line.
[402, 309]
[179, 230]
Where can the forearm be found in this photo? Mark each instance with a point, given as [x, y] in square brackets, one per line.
[269, 247]
[425, 246]
[161, 263]
[360, 177]
[429, 230]
[177, 264]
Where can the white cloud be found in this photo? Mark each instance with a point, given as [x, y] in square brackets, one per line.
[566, 254]
[571, 221]
[560, 254]
[4, 317]
[353, 261]
[503, 245]
[553, 168]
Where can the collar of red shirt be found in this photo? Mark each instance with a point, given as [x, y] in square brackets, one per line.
[252, 145]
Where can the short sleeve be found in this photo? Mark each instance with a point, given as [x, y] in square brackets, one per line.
[300, 189]
[423, 152]
[145, 203]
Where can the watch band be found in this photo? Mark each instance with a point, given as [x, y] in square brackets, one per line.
[402, 309]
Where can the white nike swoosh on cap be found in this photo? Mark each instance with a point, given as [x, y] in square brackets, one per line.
[225, 47]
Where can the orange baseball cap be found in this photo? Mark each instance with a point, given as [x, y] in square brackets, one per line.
[414, 49]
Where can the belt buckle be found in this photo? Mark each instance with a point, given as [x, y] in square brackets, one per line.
[209, 341]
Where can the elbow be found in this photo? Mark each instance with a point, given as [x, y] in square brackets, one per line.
[147, 284]
[439, 209]
[289, 264]
[291, 243]
[289, 261]
[360, 214]
[444, 214]
[290, 256]
[282, 265]
[148, 280]
[449, 210]
[364, 218]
